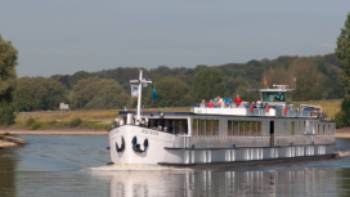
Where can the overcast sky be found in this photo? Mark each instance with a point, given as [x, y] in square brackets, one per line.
[65, 36]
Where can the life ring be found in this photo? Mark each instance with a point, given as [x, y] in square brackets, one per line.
[137, 147]
[122, 146]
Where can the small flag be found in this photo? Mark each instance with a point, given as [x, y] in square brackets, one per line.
[154, 95]
[134, 90]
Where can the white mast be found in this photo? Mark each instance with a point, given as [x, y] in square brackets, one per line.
[140, 83]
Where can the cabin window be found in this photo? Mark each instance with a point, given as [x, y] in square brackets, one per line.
[232, 128]
[285, 126]
[174, 126]
[329, 129]
[256, 128]
[292, 128]
[243, 128]
[202, 127]
[194, 127]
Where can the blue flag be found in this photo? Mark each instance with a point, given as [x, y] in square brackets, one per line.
[154, 95]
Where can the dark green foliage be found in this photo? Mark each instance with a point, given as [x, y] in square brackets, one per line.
[343, 53]
[171, 92]
[345, 106]
[344, 114]
[207, 83]
[70, 80]
[95, 93]
[317, 77]
[38, 93]
[8, 62]
[7, 114]
[342, 118]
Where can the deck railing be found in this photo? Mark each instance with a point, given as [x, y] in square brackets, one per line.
[303, 140]
[250, 141]
[244, 111]
[222, 141]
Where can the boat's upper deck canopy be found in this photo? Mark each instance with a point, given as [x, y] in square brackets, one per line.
[272, 104]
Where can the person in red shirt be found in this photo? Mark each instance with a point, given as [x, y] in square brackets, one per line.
[238, 100]
[285, 110]
[210, 104]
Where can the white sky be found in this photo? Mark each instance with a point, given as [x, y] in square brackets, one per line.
[65, 36]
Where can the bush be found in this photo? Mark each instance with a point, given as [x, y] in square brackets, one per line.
[75, 123]
[30, 122]
[35, 126]
[7, 116]
[340, 120]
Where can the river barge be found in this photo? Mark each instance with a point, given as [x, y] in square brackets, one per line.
[271, 129]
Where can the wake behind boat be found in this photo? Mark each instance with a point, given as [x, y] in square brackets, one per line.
[222, 132]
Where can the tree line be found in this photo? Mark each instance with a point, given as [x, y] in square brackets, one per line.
[312, 78]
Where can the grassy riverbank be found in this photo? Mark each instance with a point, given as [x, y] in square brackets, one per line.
[99, 120]
[94, 120]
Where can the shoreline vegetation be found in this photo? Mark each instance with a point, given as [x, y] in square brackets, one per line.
[104, 120]
[99, 122]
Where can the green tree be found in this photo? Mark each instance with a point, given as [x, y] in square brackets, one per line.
[310, 82]
[171, 92]
[343, 53]
[8, 62]
[38, 93]
[95, 93]
[207, 83]
[277, 75]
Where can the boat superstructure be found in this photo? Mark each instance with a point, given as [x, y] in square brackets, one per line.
[226, 133]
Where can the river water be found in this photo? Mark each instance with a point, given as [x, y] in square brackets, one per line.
[58, 166]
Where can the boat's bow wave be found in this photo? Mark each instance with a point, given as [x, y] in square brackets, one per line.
[133, 167]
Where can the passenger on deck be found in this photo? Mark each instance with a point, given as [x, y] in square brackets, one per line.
[228, 102]
[238, 100]
[285, 110]
[259, 103]
[221, 102]
[210, 104]
[267, 107]
[202, 105]
[215, 102]
[251, 107]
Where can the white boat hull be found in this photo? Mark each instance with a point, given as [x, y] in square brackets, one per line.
[154, 153]
[164, 148]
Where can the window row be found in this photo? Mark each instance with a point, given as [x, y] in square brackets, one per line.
[324, 129]
[201, 127]
[243, 128]
[174, 126]
[306, 127]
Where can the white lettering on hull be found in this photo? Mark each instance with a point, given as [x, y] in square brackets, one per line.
[151, 132]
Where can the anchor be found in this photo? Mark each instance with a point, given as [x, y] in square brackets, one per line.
[122, 146]
[137, 147]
